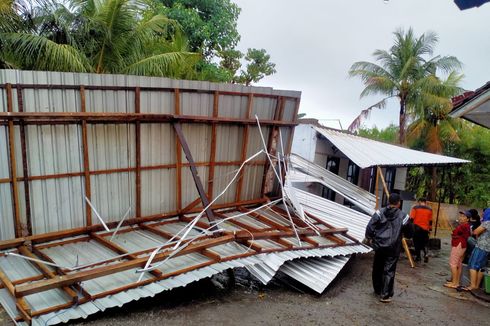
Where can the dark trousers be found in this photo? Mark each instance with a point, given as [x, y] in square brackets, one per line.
[384, 268]
[420, 241]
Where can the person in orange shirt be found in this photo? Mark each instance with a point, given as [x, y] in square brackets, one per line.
[421, 214]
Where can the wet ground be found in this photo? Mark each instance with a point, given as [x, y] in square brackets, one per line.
[420, 299]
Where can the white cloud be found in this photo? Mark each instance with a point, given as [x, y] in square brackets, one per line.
[314, 42]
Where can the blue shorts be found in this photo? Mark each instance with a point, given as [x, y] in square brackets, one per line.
[478, 259]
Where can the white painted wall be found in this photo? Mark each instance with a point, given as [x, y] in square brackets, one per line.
[304, 142]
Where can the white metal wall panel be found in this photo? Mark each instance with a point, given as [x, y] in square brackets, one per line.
[53, 149]
[111, 146]
[255, 142]
[233, 106]
[4, 154]
[110, 101]
[252, 182]
[158, 191]
[223, 176]
[289, 110]
[7, 230]
[157, 144]
[57, 204]
[197, 104]
[189, 190]
[112, 195]
[229, 140]
[198, 137]
[264, 108]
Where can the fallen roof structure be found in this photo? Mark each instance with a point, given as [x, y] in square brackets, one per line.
[115, 188]
[473, 106]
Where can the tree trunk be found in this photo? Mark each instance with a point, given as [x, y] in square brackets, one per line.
[433, 184]
[401, 133]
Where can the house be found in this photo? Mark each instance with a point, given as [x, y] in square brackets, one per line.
[473, 106]
[357, 159]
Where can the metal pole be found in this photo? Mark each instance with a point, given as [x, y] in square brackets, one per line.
[439, 200]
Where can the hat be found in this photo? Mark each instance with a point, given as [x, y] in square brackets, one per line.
[467, 213]
[486, 215]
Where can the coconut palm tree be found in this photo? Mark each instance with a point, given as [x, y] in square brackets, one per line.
[102, 36]
[402, 72]
[433, 129]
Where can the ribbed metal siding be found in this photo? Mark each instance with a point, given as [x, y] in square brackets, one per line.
[59, 203]
[6, 214]
[366, 152]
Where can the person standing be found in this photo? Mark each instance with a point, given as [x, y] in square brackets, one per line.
[384, 230]
[421, 214]
[478, 259]
[459, 239]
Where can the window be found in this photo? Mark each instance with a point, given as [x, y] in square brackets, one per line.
[352, 177]
[333, 164]
[372, 180]
[352, 173]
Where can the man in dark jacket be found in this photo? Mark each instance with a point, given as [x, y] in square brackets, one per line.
[385, 230]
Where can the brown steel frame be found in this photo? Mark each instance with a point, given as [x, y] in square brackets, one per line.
[31, 245]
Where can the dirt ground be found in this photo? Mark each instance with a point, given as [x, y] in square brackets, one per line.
[420, 299]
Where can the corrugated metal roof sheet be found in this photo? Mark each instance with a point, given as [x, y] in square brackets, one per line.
[272, 263]
[316, 273]
[366, 152]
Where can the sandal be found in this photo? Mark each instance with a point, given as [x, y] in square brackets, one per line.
[450, 285]
[463, 288]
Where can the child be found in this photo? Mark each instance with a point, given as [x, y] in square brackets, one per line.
[458, 247]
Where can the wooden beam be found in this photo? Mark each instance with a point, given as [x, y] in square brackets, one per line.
[86, 164]
[47, 272]
[123, 170]
[25, 168]
[65, 280]
[195, 175]
[20, 303]
[117, 249]
[145, 88]
[137, 109]
[245, 235]
[13, 167]
[383, 181]
[52, 118]
[273, 133]
[51, 236]
[212, 155]
[178, 157]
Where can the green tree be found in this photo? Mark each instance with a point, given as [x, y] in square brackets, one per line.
[258, 66]
[211, 28]
[433, 129]
[402, 72]
[102, 36]
[387, 134]
[210, 25]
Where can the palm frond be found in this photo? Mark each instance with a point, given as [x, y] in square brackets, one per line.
[38, 52]
[160, 64]
[356, 123]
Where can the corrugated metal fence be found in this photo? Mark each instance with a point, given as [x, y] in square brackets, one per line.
[128, 164]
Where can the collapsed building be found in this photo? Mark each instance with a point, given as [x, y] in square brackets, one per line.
[115, 188]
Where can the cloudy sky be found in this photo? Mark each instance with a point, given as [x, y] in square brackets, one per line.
[314, 42]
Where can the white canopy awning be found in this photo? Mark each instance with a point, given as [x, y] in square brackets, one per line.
[366, 152]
